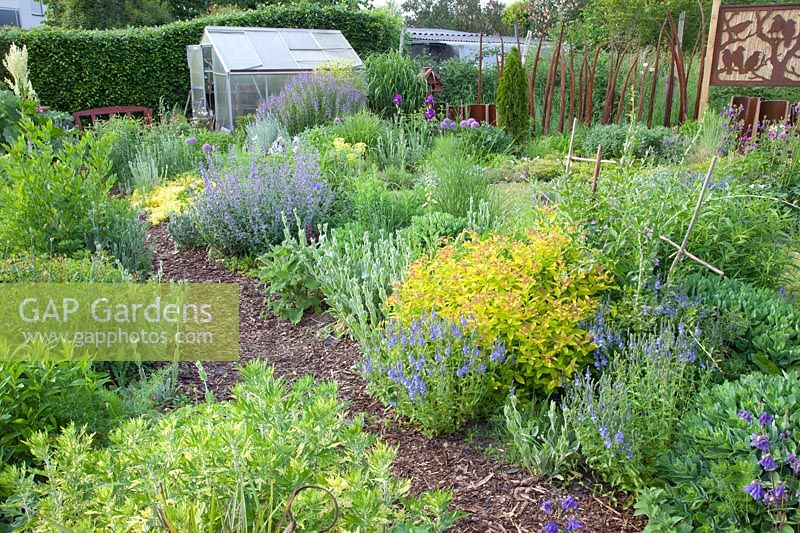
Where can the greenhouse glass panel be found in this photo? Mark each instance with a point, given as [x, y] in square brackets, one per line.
[331, 40]
[222, 102]
[300, 40]
[309, 56]
[247, 91]
[272, 51]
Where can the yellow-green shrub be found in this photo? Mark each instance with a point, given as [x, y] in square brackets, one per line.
[530, 294]
[171, 197]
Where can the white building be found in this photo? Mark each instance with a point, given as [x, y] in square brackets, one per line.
[21, 13]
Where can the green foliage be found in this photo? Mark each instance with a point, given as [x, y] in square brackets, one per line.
[661, 517]
[530, 294]
[512, 98]
[659, 143]
[749, 236]
[459, 179]
[392, 73]
[233, 467]
[79, 14]
[712, 459]
[58, 202]
[355, 272]
[625, 418]
[766, 323]
[183, 227]
[27, 268]
[484, 141]
[376, 208]
[363, 127]
[460, 78]
[403, 142]
[291, 289]
[429, 231]
[80, 69]
[541, 438]
[9, 116]
[46, 396]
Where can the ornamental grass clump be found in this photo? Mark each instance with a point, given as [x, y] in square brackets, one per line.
[531, 294]
[242, 205]
[434, 371]
[309, 100]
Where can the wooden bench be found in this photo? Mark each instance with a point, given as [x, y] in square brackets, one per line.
[109, 111]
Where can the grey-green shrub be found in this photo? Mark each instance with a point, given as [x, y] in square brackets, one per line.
[262, 131]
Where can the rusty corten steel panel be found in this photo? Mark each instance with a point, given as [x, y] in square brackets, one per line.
[757, 45]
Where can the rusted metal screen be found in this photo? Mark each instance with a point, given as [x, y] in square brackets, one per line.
[757, 45]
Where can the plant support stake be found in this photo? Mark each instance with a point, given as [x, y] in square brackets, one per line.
[682, 248]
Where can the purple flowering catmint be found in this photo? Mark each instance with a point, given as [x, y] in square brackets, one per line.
[190, 141]
[397, 99]
[755, 490]
[312, 99]
[768, 463]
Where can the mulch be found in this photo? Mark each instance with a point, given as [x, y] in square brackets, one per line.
[498, 497]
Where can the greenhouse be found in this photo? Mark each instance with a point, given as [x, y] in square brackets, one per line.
[233, 69]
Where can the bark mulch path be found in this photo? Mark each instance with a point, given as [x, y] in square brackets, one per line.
[498, 497]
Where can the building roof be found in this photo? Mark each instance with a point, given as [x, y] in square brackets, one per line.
[277, 49]
[438, 35]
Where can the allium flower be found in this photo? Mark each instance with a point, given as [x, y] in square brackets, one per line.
[472, 123]
[430, 100]
[337, 120]
[573, 524]
[207, 147]
[429, 113]
[463, 124]
[550, 527]
[755, 490]
[767, 462]
[760, 442]
[447, 124]
[547, 506]
[745, 415]
[190, 141]
[570, 503]
[765, 419]
[397, 99]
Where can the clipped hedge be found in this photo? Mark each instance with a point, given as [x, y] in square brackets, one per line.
[80, 69]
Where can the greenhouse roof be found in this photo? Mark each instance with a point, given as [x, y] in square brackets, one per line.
[277, 49]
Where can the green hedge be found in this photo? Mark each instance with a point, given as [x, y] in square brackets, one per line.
[80, 69]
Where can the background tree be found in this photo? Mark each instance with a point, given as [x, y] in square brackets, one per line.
[461, 15]
[512, 98]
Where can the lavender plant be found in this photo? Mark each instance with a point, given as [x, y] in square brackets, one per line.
[243, 203]
[434, 371]
[309, 100]
[626, 416]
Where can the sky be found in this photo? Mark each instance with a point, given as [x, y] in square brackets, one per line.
[398, 2]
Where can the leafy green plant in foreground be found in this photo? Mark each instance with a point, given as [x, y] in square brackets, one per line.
[226, 466]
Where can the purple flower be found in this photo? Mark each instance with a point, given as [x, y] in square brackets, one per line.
[447, 124]
[472, 123]
[570, 503]
[745, 415]
[207, 147]
[765, 418]
[776, 495]
[767, 462]
[573, 524]
[190, 141]
[397, 99]
[430, 100]
[463, 124]
[337, 120]
[760, 442]
[498, 354]
[755, 490]
[429, 114]
[547, 506]
[550, 527]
